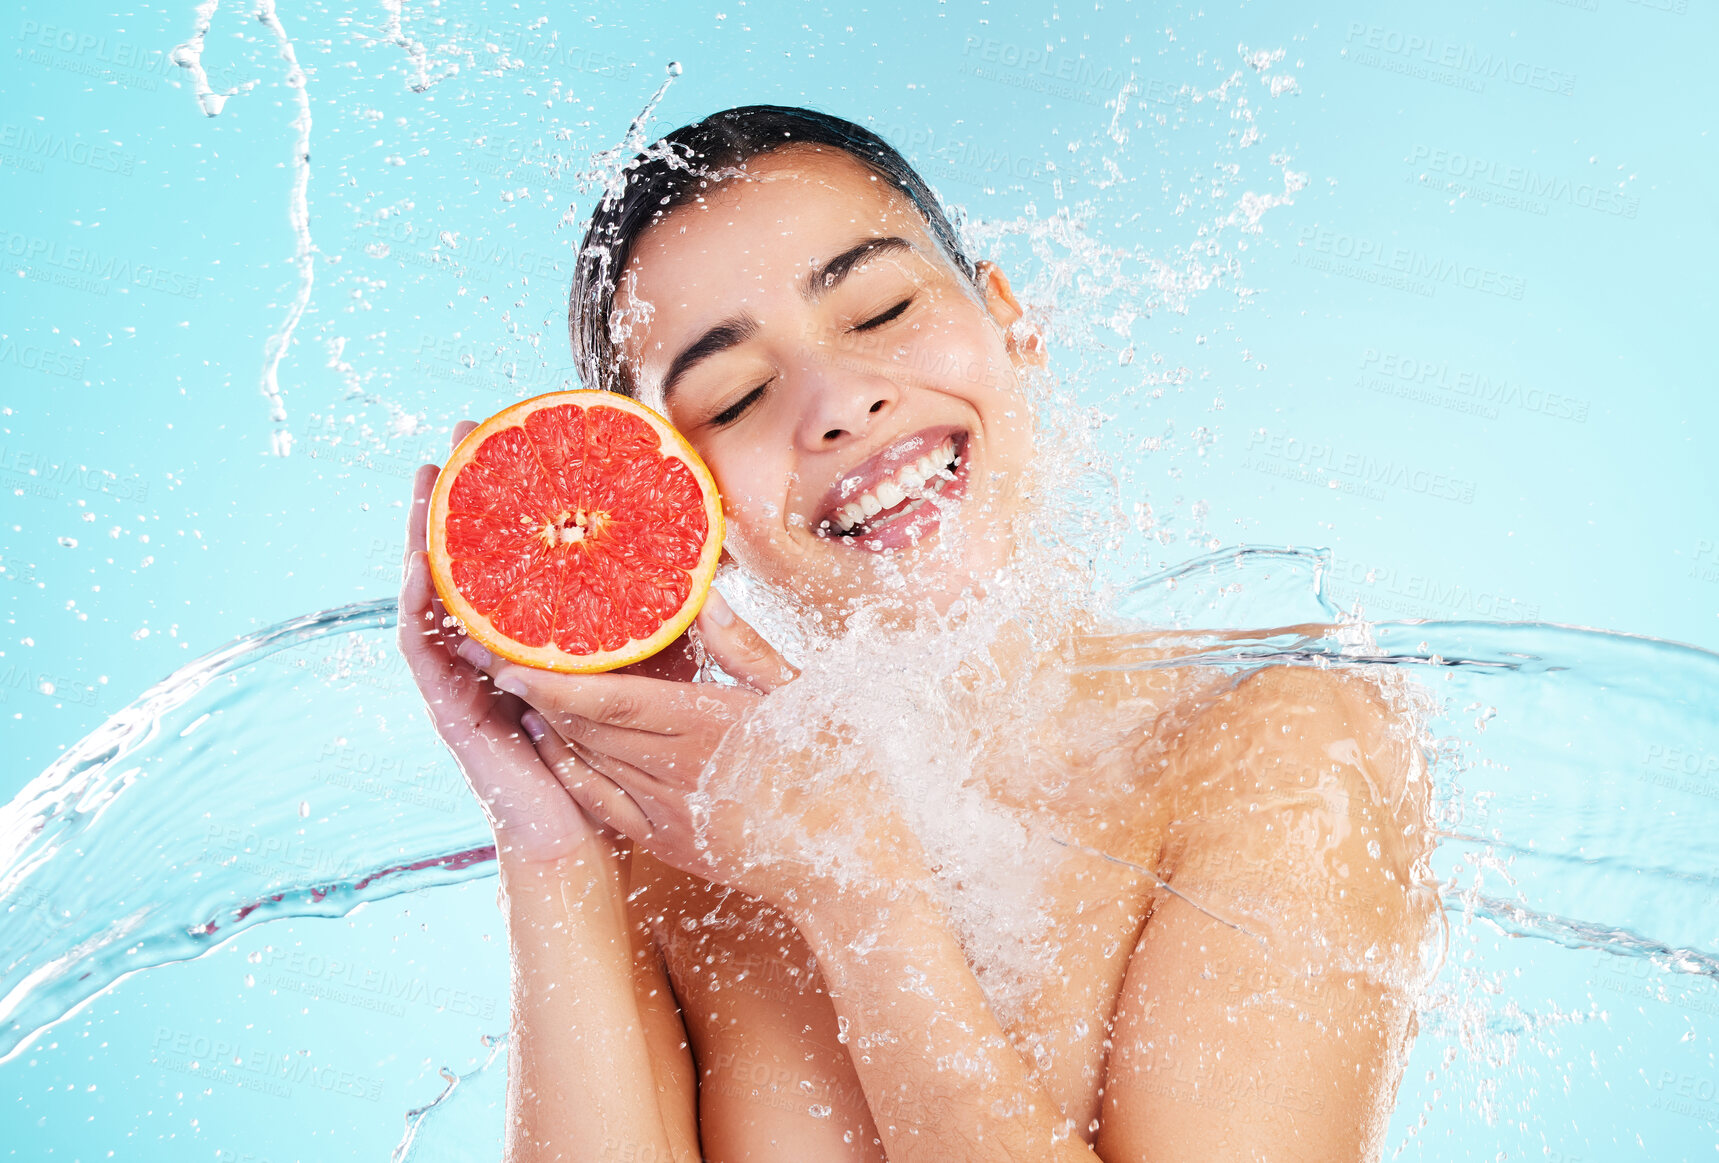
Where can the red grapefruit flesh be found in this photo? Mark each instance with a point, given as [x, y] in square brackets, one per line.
[575, 531]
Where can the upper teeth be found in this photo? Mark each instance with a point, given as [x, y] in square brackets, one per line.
[939, 463]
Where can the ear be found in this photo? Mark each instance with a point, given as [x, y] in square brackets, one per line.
[1025, 344]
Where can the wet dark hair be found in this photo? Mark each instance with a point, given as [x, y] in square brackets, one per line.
[673, 170]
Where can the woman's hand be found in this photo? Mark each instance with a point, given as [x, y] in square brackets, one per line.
[631, 750]
[629, 745]
[531, 814]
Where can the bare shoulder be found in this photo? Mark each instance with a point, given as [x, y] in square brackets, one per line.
[1305, 788]
[1275, 979]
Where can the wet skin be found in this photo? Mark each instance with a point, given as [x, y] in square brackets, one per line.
[1279, 810]
[835, 372]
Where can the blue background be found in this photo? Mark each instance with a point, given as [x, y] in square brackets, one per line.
[1515, 195]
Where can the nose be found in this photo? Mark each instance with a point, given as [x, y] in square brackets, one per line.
[841, 406]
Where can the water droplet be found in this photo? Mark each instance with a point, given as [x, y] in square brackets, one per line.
[818, 1111]
[69, 542]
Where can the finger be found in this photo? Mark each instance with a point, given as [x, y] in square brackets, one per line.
[596, 794]
[673, 834]
[739, 649]
[678, 661]
[418, 630]
[659, 706]
[676, 757]
[640, 787]
[458, 696]
[461, 430]
[418, 513]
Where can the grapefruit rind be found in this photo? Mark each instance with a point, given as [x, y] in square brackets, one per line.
[551, 657]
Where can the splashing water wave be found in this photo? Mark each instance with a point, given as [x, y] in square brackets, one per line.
[1575, 792]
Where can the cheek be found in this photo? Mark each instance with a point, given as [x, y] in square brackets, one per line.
[752, 489]
[962, 355]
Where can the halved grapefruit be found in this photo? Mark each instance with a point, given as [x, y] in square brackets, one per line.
[575, 531]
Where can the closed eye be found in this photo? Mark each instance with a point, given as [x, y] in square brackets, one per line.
[885, 317]
[738, 409]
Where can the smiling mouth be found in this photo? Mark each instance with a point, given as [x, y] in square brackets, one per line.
[900, 495]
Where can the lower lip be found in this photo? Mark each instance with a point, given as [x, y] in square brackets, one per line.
[912, 528]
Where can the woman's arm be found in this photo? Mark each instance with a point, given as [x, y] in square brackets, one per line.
[1268, 1008]
[775, 1085]
[941, 1076]
[598, 1063]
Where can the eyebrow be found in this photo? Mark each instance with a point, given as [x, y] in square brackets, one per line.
[737, 329]
[826, 278]
[731, 332]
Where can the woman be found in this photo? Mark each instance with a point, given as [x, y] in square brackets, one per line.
[733, 936]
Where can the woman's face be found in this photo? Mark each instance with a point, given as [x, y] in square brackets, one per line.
[853, 393]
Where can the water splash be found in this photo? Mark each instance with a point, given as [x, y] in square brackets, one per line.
[395, 33]
[465, 1121]
[608, 168]
[1566, 811]
[189, 56]
[304, 250]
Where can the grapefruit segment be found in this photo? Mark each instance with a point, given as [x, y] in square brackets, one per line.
[576, 531]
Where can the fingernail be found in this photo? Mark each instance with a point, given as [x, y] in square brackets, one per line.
[535, 727]
[511, 683]
[718, 609]
[474, 654]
